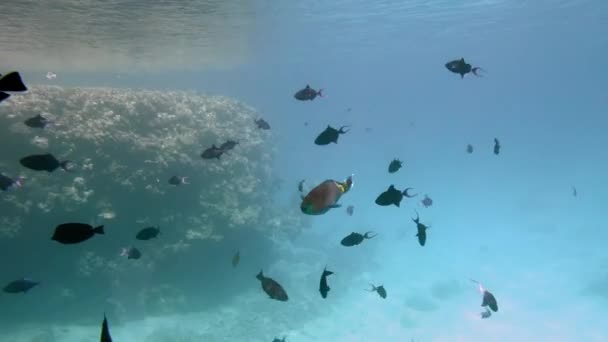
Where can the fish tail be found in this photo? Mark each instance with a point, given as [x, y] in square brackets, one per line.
[99, 230]
[327, 273]
[320, 93]
[12, 82]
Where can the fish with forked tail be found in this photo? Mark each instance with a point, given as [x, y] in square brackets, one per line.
[323, 287]
[330, 135]
[393, 196]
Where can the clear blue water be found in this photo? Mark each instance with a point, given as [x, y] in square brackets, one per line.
[509, 221]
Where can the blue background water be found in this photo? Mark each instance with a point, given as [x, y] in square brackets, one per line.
[509, 221]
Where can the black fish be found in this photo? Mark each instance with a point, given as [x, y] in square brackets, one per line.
[20, 286]
[175, 180]
[7, 183]
[11, 82]
[489, 300]
[105, 331]
[131, 253]
[37, 121]
[354, 239]
[262, 124]
[469, 148]
[71, 233]
[308, 94]
[496, 146]
[277, 340]
[323, 287]
[273, 289]
[330, 135]
[393, 196]
[350, 210]
[421, 234]
[461, 67]
[228, 145]
[44, 162]
[380, 289]
[148, 233]
[212, 152]
[394, 166]
[427, 201]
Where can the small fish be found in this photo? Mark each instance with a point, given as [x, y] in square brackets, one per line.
[131, 253]
[394, 166]
[350, 210]
[11, 82]
[175, 180]
[469, 148]
[301, 186]
[330, 135]
[20, 285]
[37, 121]
[325, 196]
[277, 340]
[393, 196]
[488, 299]
[273, 289]
[7, 183]
[51, 76]
[262, 124]
[105, 331]
[228, 145]
[486, 314]
[148, 233]
[71, 233]
[421, 234]
[354, 239]
[236, 258]
[323, 287]
[308, 94]
[462, 68]
[212, 152]
[496, 146]
[427, 201]
[380, 290]
[44, 162]
[574, 192]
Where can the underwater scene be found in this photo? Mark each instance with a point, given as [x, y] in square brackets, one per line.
[299, 171]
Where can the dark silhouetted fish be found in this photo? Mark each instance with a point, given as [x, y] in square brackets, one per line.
[496, 146]
[105, 331]
[273, 289]
[488, 299]
[462, 68]
[427, 201]
[354, 239]
[236, 258]
[393, 196]
[8, 183]
[44, 162]
[229, 145]
[469, 148]
[148, 233]
[131, 253]
[277, 340]
[394, 166]
[325, 196]
[37, 121]
[10, 82]
[71, 233]
[421, 234]
[323, 287]
[20, 285]
[308, 94]
[330, 135]
[212, 152]
[350, 210]
[262, 124]
[380, 290]
[175, 180]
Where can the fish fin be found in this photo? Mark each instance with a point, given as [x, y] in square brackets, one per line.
[99, 230]
[4, 96]
[260, 275]
[12, 82]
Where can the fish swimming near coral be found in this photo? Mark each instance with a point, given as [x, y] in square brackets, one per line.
[72, 233]
[11, 82]
[44, 162]
[37, 121]
[393, 196]
[308, 94]
[262, 124]
[131, 253]
[22, 285]
[323, 287]
[212, 152]
[325, 196]
[330, 135]
[272, 288]
[177, 180]
[229, 145]
[148, 233]
[462, 68]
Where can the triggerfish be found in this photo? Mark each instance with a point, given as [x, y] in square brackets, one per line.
[325, 196]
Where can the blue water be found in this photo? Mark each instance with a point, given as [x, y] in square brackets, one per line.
[509, 221]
